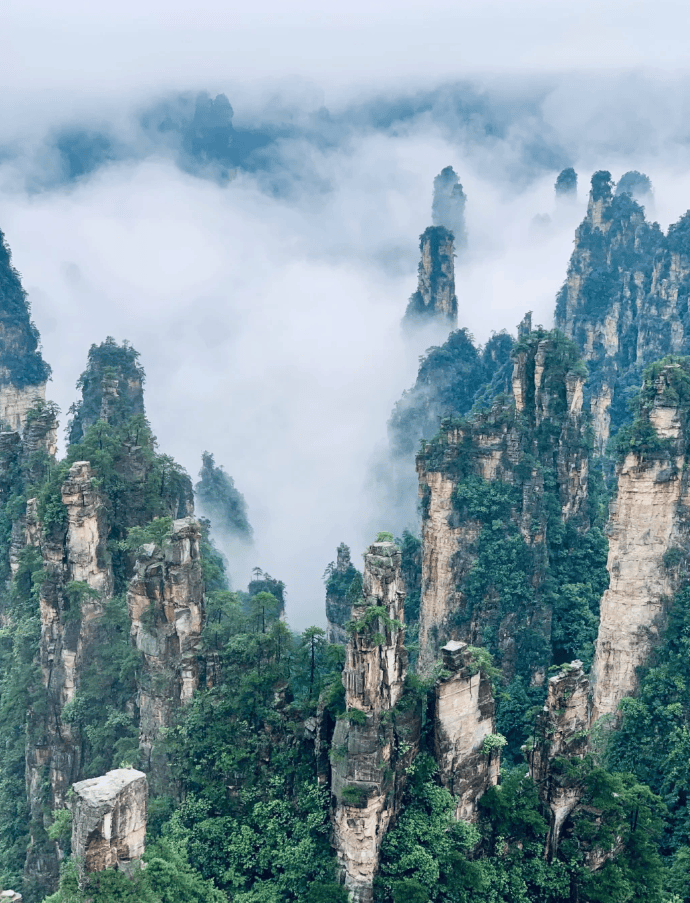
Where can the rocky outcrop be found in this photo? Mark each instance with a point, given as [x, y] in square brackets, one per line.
[340, 573]
[109, 820]
[10, 896]
[376, 740]
[78, 583]
[532, 446]
[23, 372]
[435, 298]
[165, 600]
[464, 725]
[111, 386]
[561, 733]
[625, 299]
[648, 525]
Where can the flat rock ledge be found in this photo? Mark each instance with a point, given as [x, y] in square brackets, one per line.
[109, 819]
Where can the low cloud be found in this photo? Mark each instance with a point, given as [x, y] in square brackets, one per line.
[267, 311]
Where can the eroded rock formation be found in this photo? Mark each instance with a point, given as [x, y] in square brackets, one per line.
[625, 299]
[109, 820]
[165, 601]
[561, 732]
[377, 738]
[465, 718]
[648, 520]
[531, 448]
[111, 386]
[74, 552]
[435, 298]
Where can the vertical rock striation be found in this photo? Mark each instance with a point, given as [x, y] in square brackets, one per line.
[377, 738]
[435, 299]
[561, 732]
[503, 469]
[465, 718]
[74, 552]
[625, 301]
[109, 820]
[648, 520]
[165, 600]
[111, 386]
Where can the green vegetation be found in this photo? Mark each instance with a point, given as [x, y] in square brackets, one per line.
[502, 859]
[21, 356]
[222, 501]
[109, 364]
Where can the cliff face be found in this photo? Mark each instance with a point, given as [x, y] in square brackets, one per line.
[503, 480]
[378, 737]
[165, 601]
[561, 733]
[648, 521]
[464, 720]
[73, 553]
[625, 299]
[23, 372]
[435, 296]
[111, 387]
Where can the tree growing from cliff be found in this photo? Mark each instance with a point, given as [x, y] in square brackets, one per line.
[111, 388]
[222, 501]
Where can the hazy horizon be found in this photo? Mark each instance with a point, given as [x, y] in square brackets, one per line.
[264, 290]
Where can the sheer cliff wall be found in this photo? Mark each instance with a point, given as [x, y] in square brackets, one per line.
[512, 474]
[378, 736]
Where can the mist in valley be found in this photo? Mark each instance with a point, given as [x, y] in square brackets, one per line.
[264, 286]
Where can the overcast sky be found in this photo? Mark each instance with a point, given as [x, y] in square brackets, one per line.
[267, 320]
[48, 46]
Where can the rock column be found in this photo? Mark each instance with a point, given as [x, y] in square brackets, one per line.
[374, 742]
[465, 718]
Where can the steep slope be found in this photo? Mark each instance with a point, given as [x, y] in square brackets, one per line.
[648, 533]
[23, 372]
[504, 512]
[625, 299]
[376, 740]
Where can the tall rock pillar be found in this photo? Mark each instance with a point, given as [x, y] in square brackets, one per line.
[165, 600]
[377, 738]
[648, 520]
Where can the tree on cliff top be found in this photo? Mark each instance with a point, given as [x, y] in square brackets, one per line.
[111, 388]
[20, 353]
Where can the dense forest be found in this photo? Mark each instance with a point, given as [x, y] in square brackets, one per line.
[498, 707]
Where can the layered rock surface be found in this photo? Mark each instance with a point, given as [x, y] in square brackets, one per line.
[561, 732]
[530, 443]
[165, 601]
[648, 521]
[435, 298]
[72, 553]
[378, 737]
[465, 718]
[109, 820]
[23, 372]
[625, 299]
